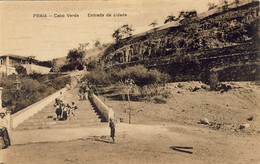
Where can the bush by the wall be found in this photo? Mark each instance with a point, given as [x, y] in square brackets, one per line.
[141, 75]
[159, 100]
[30, 92]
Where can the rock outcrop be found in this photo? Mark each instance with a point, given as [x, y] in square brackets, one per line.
[224, 41]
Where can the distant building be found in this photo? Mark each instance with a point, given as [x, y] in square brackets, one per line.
[8, 63]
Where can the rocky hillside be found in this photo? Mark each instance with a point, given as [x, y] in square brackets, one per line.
[224, 41]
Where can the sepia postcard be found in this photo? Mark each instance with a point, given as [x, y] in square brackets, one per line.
[129, 81]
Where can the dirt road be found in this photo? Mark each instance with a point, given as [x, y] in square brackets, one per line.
[142, 144]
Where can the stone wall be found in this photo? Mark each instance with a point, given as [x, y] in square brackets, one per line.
[105, 111]
[58, 63]
[31, 68]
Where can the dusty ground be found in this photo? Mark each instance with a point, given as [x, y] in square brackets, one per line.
[143, 144]
[224, 110]
[157, 127]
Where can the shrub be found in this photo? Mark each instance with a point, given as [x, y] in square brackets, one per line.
[150, 91]
[159, 100]
[75, 65]
[141, 75]
[31, 91]
[21, 70]
[213, 80]
[98, 77]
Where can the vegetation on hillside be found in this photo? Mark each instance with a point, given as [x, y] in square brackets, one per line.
[122, 32]
[227, 28]
[137, 81]
[198, 44]
[33, 88]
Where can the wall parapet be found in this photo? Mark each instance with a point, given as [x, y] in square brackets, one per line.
[104, 110]
[29, 111]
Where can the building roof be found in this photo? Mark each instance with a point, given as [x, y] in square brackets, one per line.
[14, 56]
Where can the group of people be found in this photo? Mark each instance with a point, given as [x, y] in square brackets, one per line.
[64, 110]
[87, 90]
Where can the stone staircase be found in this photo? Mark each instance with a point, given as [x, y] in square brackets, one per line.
[85, 115]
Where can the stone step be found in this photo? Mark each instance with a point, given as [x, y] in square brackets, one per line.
[77, 114]
[53, 122]
[54, 119]
[58, 126]
[51, 117]
[85, 115]
[46, 111]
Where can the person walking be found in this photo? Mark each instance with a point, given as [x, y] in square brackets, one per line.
[112, 129]
[68, 110]
[73, 107]
[64, 112]
[58, 111]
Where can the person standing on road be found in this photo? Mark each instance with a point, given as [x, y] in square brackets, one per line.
[4, 136]
[112, 129]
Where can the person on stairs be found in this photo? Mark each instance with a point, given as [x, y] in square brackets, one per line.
[58, 111]
[64, 112]
[73, 107]
[68, 110]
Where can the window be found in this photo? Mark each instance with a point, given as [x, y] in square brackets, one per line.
[1, 62]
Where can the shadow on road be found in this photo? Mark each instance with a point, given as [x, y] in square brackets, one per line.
[105, 139]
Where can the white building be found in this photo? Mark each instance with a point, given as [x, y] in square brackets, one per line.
[8, 63]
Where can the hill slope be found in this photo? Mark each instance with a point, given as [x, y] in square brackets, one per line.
[225, 41]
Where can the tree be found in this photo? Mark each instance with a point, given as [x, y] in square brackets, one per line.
[170, 18]
[188, 14]
[211, 6]
[92, 64]
[122, 32]
[75, 58]
[21, 70]
[75, 55]
[188, 17]
[154, 23]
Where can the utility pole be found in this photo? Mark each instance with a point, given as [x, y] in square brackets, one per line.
[129, 84]
[128, 97]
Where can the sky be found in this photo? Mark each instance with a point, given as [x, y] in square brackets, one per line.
[23, 33]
